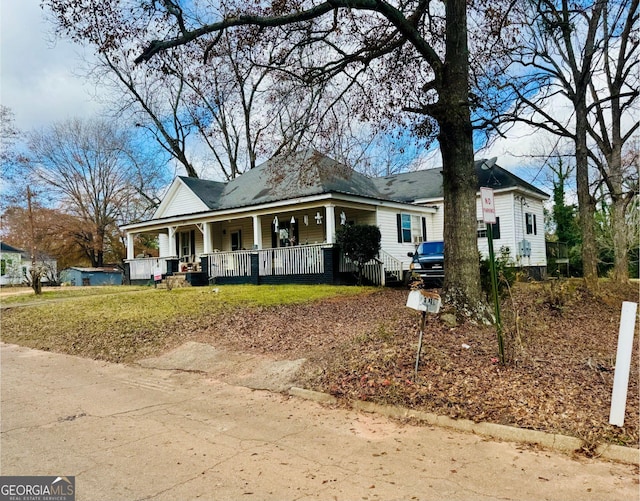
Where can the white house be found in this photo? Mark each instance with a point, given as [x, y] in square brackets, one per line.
[277, 222]
[15, 266]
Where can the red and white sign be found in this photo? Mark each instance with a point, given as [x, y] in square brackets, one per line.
[488, 206]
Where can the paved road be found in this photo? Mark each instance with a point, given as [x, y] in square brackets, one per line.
[133, 433]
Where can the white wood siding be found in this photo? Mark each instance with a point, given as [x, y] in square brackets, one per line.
[437, 223]
[522, 206]
[504, 208]
[181, 201]
[387, 221]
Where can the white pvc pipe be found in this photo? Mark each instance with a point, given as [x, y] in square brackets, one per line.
[623, 363]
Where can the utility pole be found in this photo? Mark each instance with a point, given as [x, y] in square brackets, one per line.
[35, 274]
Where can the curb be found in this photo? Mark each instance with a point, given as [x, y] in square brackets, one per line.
[552, 441]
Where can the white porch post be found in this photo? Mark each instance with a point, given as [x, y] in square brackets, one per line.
[330, 219]
[163, 245]
[206, 236]
[257, 232]
[130, 250]
[172, 240]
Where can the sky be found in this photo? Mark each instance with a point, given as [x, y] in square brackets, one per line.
[41, 82]
[39, 77]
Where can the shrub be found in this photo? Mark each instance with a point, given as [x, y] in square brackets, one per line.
[360, 243]
[505, 271]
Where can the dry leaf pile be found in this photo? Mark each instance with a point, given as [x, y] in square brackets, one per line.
[561, 345]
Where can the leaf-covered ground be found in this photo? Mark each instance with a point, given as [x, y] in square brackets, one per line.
[561, 345]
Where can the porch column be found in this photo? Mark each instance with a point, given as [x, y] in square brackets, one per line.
[206, 236]
[330, 218]
[172, 240]
[257, 232]
[130, 250]
[163, 245]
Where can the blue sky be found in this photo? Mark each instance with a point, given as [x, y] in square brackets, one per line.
[39, 77]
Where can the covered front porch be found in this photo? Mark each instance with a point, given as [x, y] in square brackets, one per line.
[279, 246]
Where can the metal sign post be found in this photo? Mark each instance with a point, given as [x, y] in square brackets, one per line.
[425, 302]
[489, 218]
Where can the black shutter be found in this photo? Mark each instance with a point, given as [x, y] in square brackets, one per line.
[424, 229]
[399, 223]
[535, 227]
[496, 229]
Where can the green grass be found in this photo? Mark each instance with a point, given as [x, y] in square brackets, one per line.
[62, 293]
[128, 323]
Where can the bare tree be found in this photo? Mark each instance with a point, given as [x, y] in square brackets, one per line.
[242, 109]
[416, 57]
[614, 92]
[566, 47]
[9, 134]
[403, 63]
[95, 172]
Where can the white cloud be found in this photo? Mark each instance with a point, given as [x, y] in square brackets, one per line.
[39, 78]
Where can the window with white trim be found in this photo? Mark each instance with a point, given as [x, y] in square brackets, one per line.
[530, 220]
[411, 228]
[482, 229]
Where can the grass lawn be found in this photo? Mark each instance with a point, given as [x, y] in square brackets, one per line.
[123, 324]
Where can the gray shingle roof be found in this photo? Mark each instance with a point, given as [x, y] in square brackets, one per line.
[8, 248]
[299, 175]
[311, 173]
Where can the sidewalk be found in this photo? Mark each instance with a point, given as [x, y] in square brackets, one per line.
[130, 433]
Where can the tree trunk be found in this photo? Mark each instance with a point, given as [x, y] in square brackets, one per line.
[586, 205]
[620, 247]
[614, 180]
[462, 287]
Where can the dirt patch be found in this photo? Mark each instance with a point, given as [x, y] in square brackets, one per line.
[561, 347]
[251, 370]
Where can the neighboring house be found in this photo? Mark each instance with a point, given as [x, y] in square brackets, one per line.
[15, 266]
[276, 223]
[91, 276]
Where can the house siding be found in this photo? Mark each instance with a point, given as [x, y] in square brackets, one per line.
[503, 205]
[387, 221]
[14, 273]
[183, 201]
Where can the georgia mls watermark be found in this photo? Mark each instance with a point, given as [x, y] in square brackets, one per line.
[31, 488]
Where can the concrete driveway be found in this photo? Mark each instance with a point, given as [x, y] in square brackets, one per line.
[133, 433]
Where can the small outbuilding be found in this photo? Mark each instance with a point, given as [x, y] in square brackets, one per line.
[106, 275]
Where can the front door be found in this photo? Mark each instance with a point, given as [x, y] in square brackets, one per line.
[236, 240]
[186, 243]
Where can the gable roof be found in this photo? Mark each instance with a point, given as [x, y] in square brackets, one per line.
[209, 192]
[311, 173]
[427, 184]
[298, 175]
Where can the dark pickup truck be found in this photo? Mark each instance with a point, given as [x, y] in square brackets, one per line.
[428, 261]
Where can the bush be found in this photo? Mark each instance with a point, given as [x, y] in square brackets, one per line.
[360, 243]
[505, 271]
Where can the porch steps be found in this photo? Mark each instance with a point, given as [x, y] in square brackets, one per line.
[175, 281]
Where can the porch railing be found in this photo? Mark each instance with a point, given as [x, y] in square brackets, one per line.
[144, 268]
[373, 270]
[299, 260]
[392, 266]
[230, 264]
